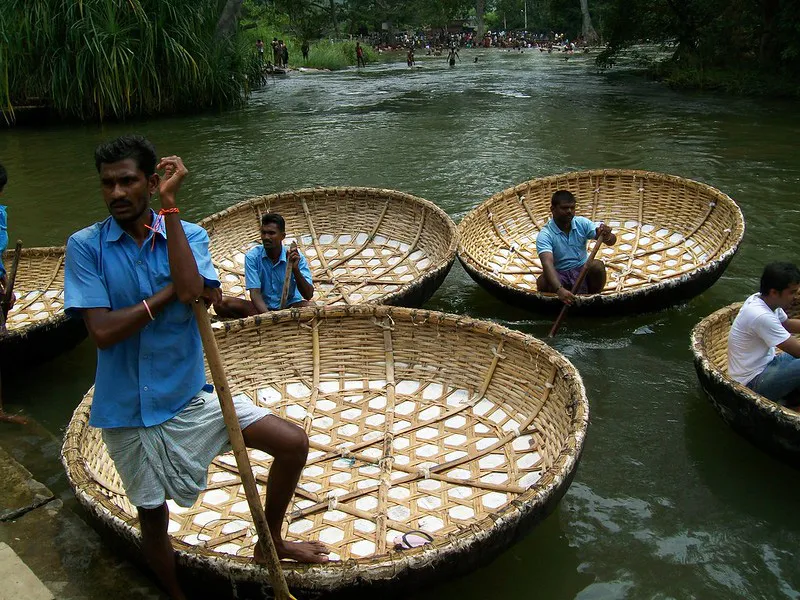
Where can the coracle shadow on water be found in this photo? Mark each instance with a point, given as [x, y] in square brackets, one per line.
[747, 477]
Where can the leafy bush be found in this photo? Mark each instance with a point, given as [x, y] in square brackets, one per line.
[96, 59]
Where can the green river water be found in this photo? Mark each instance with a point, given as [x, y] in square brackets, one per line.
[668, 502]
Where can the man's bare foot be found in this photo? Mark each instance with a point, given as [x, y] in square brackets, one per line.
[304, 552]
[7, 418]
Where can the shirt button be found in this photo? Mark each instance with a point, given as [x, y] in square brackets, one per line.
[145, 388]
[138, 262]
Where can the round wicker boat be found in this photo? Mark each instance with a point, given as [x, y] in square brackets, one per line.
[38, 329]
[675, 237]
[363, 245]
[418, 420]
[767, 424]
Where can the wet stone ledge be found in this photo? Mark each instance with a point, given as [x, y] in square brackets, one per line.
[20, 493]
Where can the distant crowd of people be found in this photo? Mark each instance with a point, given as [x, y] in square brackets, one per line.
[437, 43]
[280, 53]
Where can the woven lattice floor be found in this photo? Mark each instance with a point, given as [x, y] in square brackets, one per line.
[666, 227]
[363, 245]
[415, 423]
[39, 286]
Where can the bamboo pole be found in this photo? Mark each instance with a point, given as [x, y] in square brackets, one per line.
[578, 282]
[287, 278]
[217, 369]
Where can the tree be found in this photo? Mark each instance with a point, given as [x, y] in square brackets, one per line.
[589, 34]
[479, 7]
[229, 19]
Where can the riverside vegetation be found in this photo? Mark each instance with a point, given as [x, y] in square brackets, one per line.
[96, 59]
[99, 59]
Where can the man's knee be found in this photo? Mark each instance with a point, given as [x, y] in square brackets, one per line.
[543, 285]
[597, 266]
[286, 441]
[295, 443]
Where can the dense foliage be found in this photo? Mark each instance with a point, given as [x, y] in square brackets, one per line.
[737, 45]
[94, 59]
[750, 46]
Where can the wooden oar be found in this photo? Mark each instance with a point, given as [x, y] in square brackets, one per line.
[5, 302]
[265, 543]
[578, 282]
[287, 278]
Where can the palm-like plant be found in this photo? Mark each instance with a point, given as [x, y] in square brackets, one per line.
[94, 59]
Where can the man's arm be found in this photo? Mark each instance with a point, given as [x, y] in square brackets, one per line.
[603, 232]
[791, 346]
[550, 273]
[186, 279]
[108, 327]
[792, 325]
[304, 286]
[258, 300]
[252, 280]
[86, 294]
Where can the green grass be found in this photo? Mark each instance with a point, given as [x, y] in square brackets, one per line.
[99, 59]
[323, 54]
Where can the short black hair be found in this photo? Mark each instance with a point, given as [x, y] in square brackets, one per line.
[136, 147]
[779, 276]
[561, 196]
[3, 177]
[274, 218]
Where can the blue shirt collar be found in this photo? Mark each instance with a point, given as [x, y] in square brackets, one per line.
[265, 256]
[556, 229]
[115, 232]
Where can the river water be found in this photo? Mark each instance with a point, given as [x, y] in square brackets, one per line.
[668, 502]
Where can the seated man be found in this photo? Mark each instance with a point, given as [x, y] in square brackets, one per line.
[3, 283]
[760, 326]
[561, 246]
[264, 272]
[4, 241]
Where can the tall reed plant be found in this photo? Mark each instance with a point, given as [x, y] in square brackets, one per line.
[95, 59]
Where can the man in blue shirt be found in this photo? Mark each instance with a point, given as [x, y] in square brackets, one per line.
[3, 232]
[265, 272]
[132, 277]
[561, 246]
[3, 282]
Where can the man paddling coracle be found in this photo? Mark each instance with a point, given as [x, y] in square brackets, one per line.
[561, 246]
[267, 268]
[132, 277]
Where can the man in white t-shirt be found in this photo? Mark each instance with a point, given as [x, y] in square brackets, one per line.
[760, 326]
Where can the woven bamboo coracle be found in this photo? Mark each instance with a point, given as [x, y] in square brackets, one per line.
[774, 428]
[37, 327]
[363, 245]
[417, 420]
[675, 237]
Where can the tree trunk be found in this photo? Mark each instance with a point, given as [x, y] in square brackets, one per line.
[229, 19]
[479, 6]
[335, 21]
[589, 34]
[768, 49]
